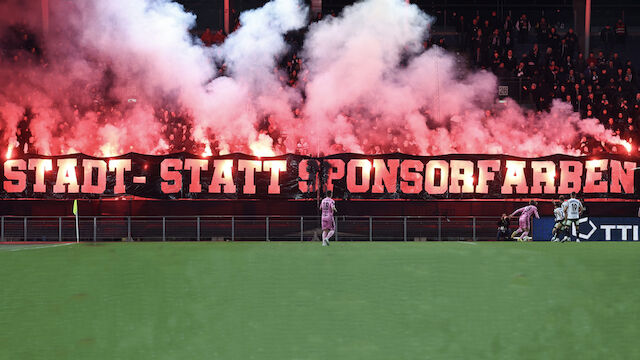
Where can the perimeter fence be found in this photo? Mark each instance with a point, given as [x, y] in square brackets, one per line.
[245, 228]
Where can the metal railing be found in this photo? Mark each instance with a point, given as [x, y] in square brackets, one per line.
[242, 228]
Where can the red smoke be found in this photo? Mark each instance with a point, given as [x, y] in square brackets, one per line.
[115, 76]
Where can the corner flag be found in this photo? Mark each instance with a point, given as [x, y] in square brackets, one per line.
[75, 212]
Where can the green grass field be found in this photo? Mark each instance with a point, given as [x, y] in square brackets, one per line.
[302, 301]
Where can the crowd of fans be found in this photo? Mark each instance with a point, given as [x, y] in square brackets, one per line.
[548, 65]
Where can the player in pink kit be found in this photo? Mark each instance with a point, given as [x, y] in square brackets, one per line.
[524, 221]
[328, 207]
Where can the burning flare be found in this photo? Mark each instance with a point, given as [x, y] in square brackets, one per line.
[207, 150]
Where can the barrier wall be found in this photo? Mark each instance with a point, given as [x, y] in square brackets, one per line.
[593, 229]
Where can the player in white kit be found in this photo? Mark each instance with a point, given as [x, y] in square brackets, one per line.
[328, 207]
[558, 215]
[572, 208]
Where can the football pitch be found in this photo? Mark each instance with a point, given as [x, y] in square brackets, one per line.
[302, 301]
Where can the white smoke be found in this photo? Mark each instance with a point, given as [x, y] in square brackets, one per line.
[353, 63]
[430, 106]
[147, 50]
[253, 89]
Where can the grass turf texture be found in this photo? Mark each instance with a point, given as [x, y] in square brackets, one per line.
[303, 301]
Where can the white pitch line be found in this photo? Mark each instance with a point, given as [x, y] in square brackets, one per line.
[467, 242]
[31, 247]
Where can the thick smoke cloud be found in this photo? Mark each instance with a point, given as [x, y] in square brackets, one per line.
[430, 105]
[113, 76]
[105, 69]
[252, 93]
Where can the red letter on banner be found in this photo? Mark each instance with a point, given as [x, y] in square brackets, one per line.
[249, 167]
[40, 166]
[548, 177]
[336, 171]
[276, 167]
[461, 170]
[67, 175]
[624, 178]
[119, 166]
[352, 184]
[593, 182]
[196, 166]
[385, 177]
[89, 165]
[515, 176]
[303, 174]
[570, 180]
[172, 178]
[485, 175]
[407, 176]
[430, 177]
[17, 179]
[222, 175]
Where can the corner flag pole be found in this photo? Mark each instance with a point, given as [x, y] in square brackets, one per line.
[75, 212]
